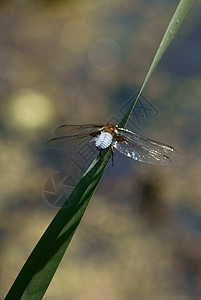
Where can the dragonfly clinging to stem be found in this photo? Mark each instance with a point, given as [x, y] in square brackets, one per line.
[138, 147]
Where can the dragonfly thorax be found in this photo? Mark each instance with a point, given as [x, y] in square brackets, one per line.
[104, 140]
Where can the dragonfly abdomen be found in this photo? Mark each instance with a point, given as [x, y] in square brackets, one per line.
[104, 140]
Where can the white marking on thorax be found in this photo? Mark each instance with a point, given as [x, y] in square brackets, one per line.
[104, 140]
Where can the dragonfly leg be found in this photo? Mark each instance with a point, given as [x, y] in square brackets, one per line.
[112, 148]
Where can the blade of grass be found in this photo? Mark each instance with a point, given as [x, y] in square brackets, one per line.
[176, 21]
[36, 274]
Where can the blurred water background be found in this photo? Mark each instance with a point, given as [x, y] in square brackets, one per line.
[78, 62]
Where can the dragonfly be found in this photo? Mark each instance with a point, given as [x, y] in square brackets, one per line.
[74, 137]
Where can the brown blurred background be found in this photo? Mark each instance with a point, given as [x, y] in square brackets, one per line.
[78, 62]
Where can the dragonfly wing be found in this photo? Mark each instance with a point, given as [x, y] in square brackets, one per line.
[69, 143]
[136, 152]
[147, 144]
[73, 137]
[69, 130]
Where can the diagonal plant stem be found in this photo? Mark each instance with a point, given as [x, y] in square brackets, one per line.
[39, 269]
[176, 21]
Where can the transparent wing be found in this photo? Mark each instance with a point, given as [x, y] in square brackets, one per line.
[147, 144]
[69, 130]
[143, 149]
[69, 143]
[73, 137]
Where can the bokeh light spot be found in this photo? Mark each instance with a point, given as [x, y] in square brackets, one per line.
[104, 54]
[30, 109]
